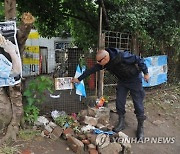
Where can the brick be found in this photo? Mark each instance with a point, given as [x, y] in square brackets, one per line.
[76, 145]
[68, 131]
[46, 133]
[57, 131]
[26, 151]
[93, 151]
[53, 137]
[86, 141]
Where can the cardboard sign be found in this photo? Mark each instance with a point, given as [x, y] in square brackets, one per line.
[63, 83]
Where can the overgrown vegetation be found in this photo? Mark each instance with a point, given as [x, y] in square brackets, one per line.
[35, 95]
[156, 23]
[5, 149]
[66, 121]
[28, 134]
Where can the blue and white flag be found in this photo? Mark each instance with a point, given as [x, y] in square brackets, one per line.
[157, 67]
[80, 88]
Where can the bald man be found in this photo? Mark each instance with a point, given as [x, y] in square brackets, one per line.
[127, 68]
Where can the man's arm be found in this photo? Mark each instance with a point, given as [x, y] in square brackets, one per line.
[86, 73]
[129, 58]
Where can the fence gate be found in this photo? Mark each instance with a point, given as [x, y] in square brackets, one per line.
[115, 40]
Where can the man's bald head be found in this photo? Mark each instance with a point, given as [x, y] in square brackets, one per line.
[102, 57]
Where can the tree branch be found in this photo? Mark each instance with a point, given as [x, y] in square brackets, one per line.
[80, 18]
[101, 3]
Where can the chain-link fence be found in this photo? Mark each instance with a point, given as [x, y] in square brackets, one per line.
[65, 61]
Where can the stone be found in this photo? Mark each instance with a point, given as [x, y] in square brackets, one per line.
[92, 111]
[81, 137]
[103, 119]
[158, 122]
[83, 113]
[102, 140]
[48, 128]
[100, 126]
[92, 138]
[123, 135]
[114, 148]
[103, 111]
[112, 107]
[91, 146]
[90, 121]
[52, 124]
[103, 115]
[76, 145]
[126, 145]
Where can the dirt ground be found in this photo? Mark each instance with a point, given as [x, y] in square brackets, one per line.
[162, 106]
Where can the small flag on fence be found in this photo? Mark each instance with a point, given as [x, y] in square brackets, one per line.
[80, 88]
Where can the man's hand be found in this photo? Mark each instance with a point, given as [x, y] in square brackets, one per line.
[146, 77]
[75, 80]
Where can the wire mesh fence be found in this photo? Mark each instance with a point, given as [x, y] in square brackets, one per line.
[64, 61]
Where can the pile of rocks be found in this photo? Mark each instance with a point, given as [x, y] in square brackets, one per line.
[94, 135]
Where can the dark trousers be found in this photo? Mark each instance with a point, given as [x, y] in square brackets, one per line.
[137, 93]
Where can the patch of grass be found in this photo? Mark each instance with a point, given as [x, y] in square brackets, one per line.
[9, 150]
[28, 134]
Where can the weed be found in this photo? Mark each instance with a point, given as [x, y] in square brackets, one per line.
[28, 134]
[9, 150]
[35, 94]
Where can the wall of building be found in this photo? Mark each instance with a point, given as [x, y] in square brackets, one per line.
[50, 44]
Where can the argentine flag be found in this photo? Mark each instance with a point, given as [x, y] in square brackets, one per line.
[157, 68]
[80, 88]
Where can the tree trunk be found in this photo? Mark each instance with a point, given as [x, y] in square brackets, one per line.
[27, 21]
[135, 44]
[10, 9]
[11, 108]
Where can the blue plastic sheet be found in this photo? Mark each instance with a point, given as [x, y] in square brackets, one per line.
[98, 131]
